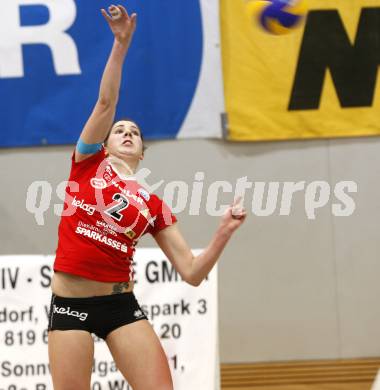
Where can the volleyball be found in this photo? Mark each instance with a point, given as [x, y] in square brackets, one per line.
[277, 16]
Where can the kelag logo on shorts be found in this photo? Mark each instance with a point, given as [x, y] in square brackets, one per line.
[52, 55]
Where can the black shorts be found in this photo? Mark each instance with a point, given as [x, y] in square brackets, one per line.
[100, 315]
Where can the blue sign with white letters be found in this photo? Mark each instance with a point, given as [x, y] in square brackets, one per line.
[52, 55]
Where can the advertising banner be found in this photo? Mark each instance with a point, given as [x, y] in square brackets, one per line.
[318, 81]
[184, 318]
[52, 56]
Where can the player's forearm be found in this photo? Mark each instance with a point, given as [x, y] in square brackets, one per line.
[111, 80]
[203, 264]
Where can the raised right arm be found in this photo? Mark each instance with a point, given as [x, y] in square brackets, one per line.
[102, 116]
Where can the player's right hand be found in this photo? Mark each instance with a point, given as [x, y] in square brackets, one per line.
[122, 27]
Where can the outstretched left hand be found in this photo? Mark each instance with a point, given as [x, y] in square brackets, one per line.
[122, 27]
[234, 216]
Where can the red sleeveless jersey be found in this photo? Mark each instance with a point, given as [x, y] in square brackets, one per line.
[103, 218]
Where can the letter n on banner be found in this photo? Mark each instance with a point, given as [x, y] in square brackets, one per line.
[319, 81]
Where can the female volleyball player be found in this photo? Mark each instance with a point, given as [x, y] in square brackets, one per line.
[105, 215]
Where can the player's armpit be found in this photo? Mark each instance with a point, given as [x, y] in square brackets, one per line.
[176, 249]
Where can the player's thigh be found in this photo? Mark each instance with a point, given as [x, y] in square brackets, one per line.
[71, 354]
[140, 357]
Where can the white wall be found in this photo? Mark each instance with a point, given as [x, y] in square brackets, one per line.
[290, 287]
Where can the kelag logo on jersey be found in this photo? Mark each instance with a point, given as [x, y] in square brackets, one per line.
[52, 54]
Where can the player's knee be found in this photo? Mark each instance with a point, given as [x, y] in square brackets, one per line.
[71, 384]
[166, 386]
[162, 385]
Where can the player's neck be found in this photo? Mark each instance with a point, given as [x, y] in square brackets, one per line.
[123, 167]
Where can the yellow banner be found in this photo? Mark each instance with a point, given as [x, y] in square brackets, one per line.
[319, 81]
